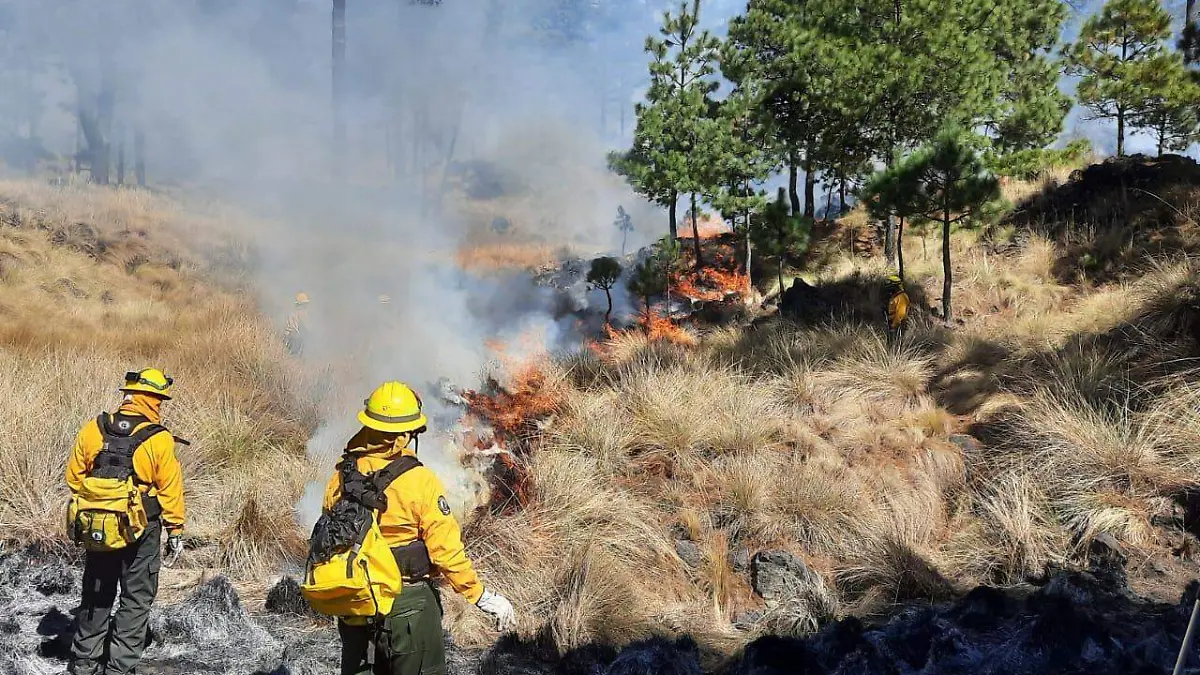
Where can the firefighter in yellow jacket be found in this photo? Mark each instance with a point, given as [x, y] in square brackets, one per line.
[425, 539]
[295, 331]
[156, 472]
[896, 309]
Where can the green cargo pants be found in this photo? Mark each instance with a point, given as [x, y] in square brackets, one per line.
[409, 642]
[135, 568]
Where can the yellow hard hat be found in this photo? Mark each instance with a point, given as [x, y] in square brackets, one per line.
[302, 298]
[385, 299]
[149, 381]
[393, 408]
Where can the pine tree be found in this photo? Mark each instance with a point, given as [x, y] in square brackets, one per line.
[661, 165]
[647, 281]
[1169, 109]
[891, 194]
[947, 183]
[1114, 55]
[667, 256]
[740, 156]
[883, 76]
[604, 274]
[781, 233]
[625, 224]
[778, 51]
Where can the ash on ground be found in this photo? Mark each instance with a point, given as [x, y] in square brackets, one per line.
[1075, 622]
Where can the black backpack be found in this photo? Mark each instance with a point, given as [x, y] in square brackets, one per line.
[345, 525]
[115, 459]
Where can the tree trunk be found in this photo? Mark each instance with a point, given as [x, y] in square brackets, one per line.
[842, 196]
[78, 149]
[829, 200]
[1191, 24]
[1120, 131]
[139, 156]
[696, 233]
[779, 269]
[947, 273]
[900, 247]
[810, 189]
[667, 293]
[608, 314]
[793, 183]
[749, 249]
[338, 24]
[889, 239]
[121, 158]
[674, 222]
[624, 237]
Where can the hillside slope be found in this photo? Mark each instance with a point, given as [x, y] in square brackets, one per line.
[1061, 411]
[762, 479]
[96, 282]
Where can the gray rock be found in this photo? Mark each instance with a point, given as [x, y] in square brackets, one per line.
[748, 620]
[689, 553]
[777, 575]
[798, 601]
[968, 444]
[739, 559]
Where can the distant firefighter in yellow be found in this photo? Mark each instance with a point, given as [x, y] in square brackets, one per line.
[296, 330]
[896, 309]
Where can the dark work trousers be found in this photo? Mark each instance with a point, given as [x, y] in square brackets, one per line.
[135, 568]
[409, 642]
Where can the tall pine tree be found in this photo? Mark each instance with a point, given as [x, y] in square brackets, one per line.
[946, 182]
[1171, 105]
[662, 164]
[1115, 56]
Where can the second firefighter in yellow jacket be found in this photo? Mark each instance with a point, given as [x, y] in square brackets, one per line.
[424, 536]
[132, 441]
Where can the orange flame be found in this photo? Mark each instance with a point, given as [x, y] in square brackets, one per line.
[504, 415]
[710, 283]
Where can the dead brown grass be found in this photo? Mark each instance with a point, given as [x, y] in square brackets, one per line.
[835, 443]
[501, 256]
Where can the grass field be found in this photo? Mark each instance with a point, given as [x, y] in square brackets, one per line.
[1061, 406]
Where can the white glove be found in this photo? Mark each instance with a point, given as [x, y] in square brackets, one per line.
[499, 608]
[175, 544]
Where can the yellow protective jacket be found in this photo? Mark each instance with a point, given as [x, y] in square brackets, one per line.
[417, 509]
[897, 309]
[296, 323]
[155, 467]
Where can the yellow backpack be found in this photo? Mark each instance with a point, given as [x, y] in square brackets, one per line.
[108, 513]
[351, 572]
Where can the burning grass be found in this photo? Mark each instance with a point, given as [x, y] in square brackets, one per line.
[847, 448]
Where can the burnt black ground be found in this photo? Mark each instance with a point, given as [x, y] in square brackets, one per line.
[1075, 623]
